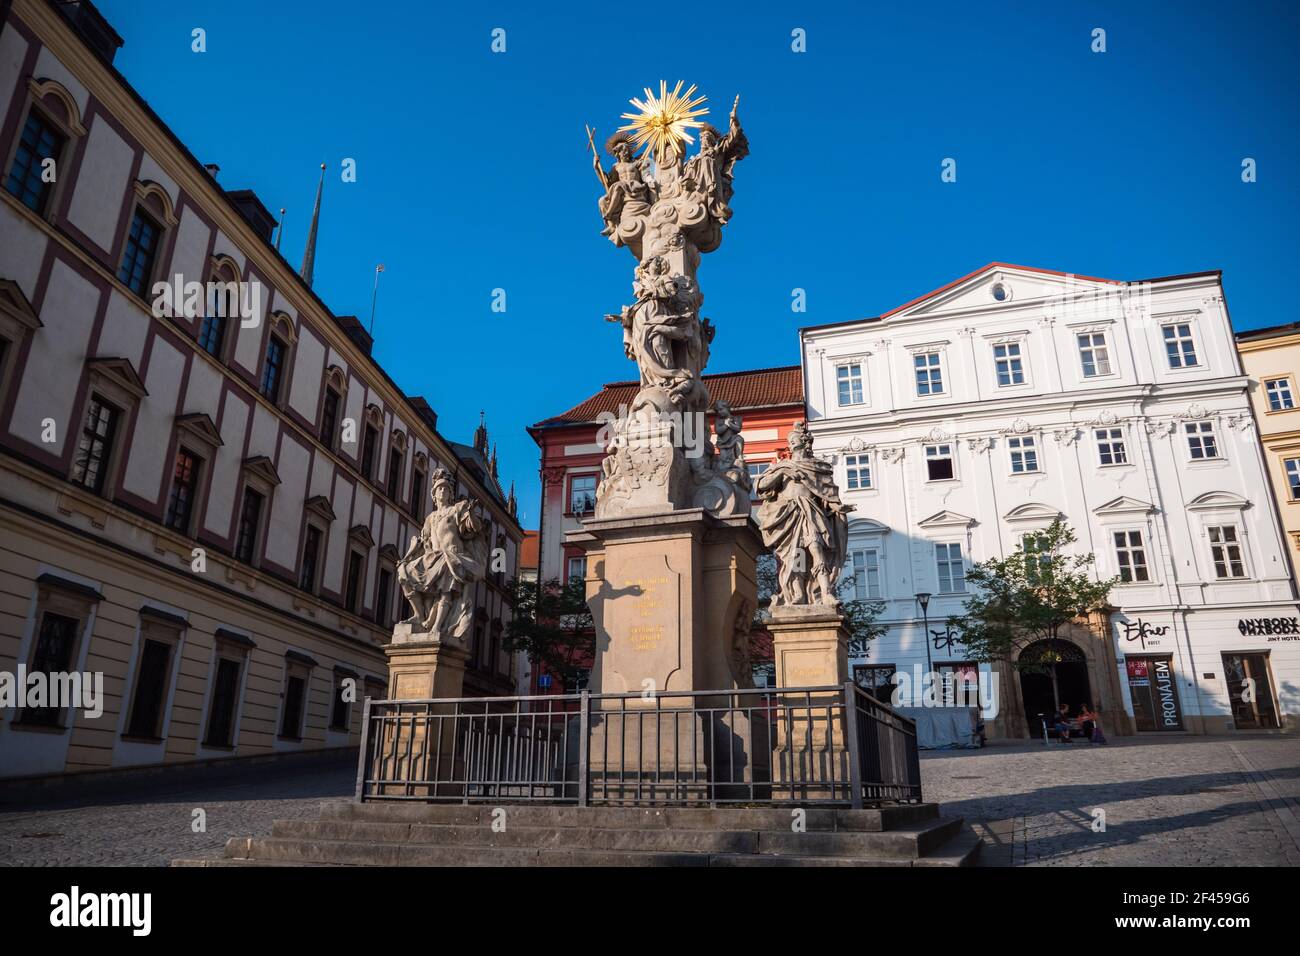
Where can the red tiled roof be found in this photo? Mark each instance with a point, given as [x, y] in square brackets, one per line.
[758, 388]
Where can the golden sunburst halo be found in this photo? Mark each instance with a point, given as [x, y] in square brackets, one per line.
[664, 120]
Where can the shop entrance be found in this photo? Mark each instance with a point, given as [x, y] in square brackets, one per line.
[1053, 673]
[1250, 689]
[1154, 693]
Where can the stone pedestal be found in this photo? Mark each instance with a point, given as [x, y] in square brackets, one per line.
[425, 746]
[810, 647]
[667, 592]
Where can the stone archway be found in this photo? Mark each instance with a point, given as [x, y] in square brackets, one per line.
[1051, 673]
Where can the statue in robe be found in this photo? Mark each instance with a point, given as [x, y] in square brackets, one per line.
[444, 562]
[627, 187]
[805, 524]
[710, 169]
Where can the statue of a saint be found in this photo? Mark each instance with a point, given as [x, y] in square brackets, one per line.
[627, 190]
[805, 524]
[711, 168]
[443, 563]
[727, 426]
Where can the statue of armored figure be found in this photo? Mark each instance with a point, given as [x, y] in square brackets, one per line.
[805, 524]
[442, 565]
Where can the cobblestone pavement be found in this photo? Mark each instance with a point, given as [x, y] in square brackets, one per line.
[1183, 801]
[151, 824]
[1173, 801]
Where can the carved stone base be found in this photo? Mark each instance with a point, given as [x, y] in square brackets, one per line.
[424, 669]
[810, 645]
[666, 592]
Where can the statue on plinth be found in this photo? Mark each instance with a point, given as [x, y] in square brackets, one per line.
[805, 524]
[667, 210]
[442, 565]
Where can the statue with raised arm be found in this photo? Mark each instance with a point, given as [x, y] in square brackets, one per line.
[443, 563]
[805, 524]
[627, 197]
[710, 169]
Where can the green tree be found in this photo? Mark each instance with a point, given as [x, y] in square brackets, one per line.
[551, 623]
[1022, 602]
[862, 615]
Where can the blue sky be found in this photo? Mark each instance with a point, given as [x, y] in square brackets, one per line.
[472, 173]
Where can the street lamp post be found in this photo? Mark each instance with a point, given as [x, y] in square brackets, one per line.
[923, 599]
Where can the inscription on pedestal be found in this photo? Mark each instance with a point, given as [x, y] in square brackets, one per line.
[644, 621]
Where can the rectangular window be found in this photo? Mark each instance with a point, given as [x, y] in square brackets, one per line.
[185, 483]
[340, 710]
[250, 522]
[582, 494]
[939, 463]
[1009, 364]
[1024, 454]
[1225, 550]
[329, 418]
[295, 695]
[866, 574]
[1110, 446]
[1094, 354]
[95, 446]
[55, 642]
[1201, 440]
[876, 679]
[952, 570]
[848, 379]
[929, 373]
[225, 699]
[1280, 396]
[310, 559]
[1292, 466]
[352, 588]
[1179, 345]
[1038, 558]
[576, 568]
[382, 595]
[39, 141]
[1131, 555]
[417, 491]
[273, 370]
[211, 334]
[394, 474]
[369, 444]
[150, 689]
[756, 468]
[858, 471]
[140, 253]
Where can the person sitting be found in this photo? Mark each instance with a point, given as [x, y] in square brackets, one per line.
[1061, 721]
[1095, 735]
[1087, 720]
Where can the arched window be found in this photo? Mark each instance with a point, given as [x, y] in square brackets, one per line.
[51, 121]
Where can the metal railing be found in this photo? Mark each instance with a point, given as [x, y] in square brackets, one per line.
[832, 745]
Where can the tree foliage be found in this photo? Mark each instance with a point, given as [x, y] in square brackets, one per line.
[1029, 597]
[552, 624]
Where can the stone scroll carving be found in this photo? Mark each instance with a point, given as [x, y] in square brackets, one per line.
[667, 210]
[805, 525]
[441, 566]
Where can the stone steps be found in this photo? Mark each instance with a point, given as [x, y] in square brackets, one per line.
[419, 834]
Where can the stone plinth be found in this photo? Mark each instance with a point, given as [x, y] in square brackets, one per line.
[424, 747]
[666, 593]
[810, 647]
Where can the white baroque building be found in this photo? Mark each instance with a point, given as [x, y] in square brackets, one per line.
[978, 413]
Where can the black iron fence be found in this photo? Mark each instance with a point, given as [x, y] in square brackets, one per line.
[832, 745]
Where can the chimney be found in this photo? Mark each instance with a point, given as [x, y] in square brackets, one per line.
[425, 411]
[212, 169]
[251, 208]
[92, 27]
[352, 326]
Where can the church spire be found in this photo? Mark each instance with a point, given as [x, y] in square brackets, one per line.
[481, 435]
[492, 462]
[512, 503]
[309, 254]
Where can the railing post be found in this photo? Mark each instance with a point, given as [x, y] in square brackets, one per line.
[855, 751]
[363, 756]
[584, 740]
